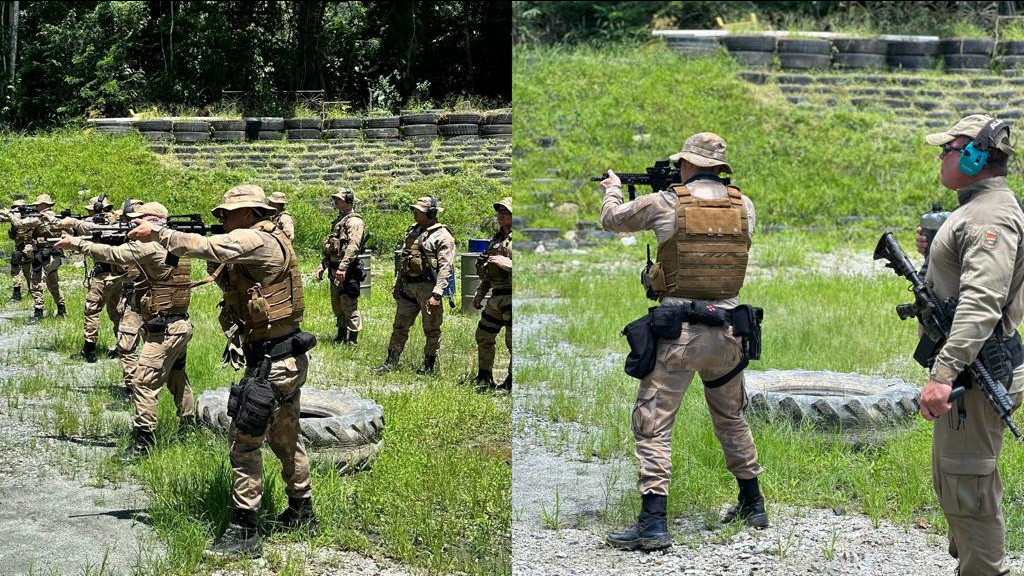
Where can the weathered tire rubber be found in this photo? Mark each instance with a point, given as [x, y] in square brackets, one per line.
[115, 130]
[191, 126]
[748, 43]
[336, 426]
[854, 60]
[190, 137]
[303, 134]
[419, 130]
[831, 400]
[459, 118]
[341, 133]
[385, 122]
[804, 46]
[153, 125]
[269, 135]
[966, 46]
[228, 125]
[803, 61]
[264, 124]
[228, 135]
[752, 58]
[914, 47]
[303, 123]
[418, 118]
[491, 129]
[451, 130]
[156, 136]
[967, 60]
[343, 123]
[497, 117]
[1013, 61]
[380, 133]
[1012, 47]
[860, 45]
[911, 61]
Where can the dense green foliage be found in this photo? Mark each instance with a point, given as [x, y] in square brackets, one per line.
[550, 22]
[625, 107]
[108, 58]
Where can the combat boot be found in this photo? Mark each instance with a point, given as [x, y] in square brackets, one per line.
[390, 364]
[140, 446]
[342, 335]
[750, 507]
[299, 514]
[113, 353]
[651, 529]
[429, 366]
[186, 425]
[506, 384]
[88, 352]
[16, 294]
[484, 379]
[240, 539]
[353, 338]
[61, 310]
[37, 316]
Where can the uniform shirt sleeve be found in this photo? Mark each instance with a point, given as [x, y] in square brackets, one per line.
[127, 254]
[444, 245]
[987, 254]
[288, 226]
[238, 246]
[640, 214]
[354, 230]
[751, 220]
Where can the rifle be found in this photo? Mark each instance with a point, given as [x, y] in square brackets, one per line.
[66, 213]
[989, 370]
[117, 234]
[27, 210]
[661, 176]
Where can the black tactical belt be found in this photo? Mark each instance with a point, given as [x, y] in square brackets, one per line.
[501, 291]
[274, 349]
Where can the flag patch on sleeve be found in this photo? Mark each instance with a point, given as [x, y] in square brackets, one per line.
[990, 239]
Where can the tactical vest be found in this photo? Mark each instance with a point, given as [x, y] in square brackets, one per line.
[42, 229]
[337, 242]
[416, 260]
[169, 294]
[707, 257]
[265, 310]
[501, 245]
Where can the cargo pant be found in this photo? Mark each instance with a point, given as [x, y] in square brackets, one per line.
[128, 340]
[966, 479]
[162, 362]
[712, 352]
[286, 377]
[102, 293]
[411, 302]
[346, 309]
[47, 273]
[497, 312]
[22, 270]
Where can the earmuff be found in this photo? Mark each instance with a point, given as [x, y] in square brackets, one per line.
[432, 210]
[975, 155]
[349, 196]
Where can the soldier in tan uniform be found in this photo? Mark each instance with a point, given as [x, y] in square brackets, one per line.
[424, 267]
[21, 264]
[45, 258]
[494, 267]
[282, 218]
[105, 281]
[259, 274]
[127, 343]
[976, 257]
[698, 272]
[161, 297]
[341, 251]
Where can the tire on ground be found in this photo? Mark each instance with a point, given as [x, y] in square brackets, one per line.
[966, 46]
[752, 58]
[304, 134]
[804, 46]
[303, 123]
[497, 117]
[228, 125]
[341, 133]
[459, 118]
[748, 43]
[343, 123]
[229, 135]
[854, 60]
[860, 45]
[911, 61]
[1012, 47]
[153, 125]
[489, 129]
[418, 118]
[191, 126]
[269, 135]
[967, 60]
[265, 124]
[914, 47]
[156, 136]
[191, 137]
[337, 427]
[450, 130]
[380, 133]
[419, 130]
[385, 122]
[831, 400]
[803, 61]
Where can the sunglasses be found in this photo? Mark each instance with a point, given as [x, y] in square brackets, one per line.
[947, 148]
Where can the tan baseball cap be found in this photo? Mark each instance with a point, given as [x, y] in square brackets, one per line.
[505, 203]
[43, 199]
[243, 196]
[706, 150]
[971, 126]
[149, 209]
[424, 203]
[340, 194]
[277, 198]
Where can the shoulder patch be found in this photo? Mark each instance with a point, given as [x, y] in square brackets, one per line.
[989, 239]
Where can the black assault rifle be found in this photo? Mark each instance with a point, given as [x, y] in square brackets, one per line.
[992, 366]
[661, 176]
[117, 234]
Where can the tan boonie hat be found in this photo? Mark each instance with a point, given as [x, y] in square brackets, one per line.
[18, 202]
[244, 196]
[706, 150]
[424, 203]
[971, 126]
[277, 198]
[43, 199]
[149, 209]
[505, 203]
[342, 192]
[92, 202]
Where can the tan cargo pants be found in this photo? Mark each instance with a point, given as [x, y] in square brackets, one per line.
[20, 271]
[47, 273]
[286, 377]
[128, 340]
[497, 312]
[712, 352]
[346, 309]
[411, 302]
[101, 294]
[966, 480]
[162, 362]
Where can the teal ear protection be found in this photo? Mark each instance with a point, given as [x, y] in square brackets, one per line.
[975, 154]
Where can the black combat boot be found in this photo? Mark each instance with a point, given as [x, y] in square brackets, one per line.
[113, 353]
[429, 366]
[16, 294]
[342, 335]
[186, 425]
[390, 364]
[88, 352]
[484, 379]
[37, 316]
[140, 446]
[61, 310]
[353, 338]
[506, 384]
[299, 514]
[241, 538]
[750, 507]
[651, 529]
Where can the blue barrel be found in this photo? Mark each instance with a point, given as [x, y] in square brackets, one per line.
[478, 244]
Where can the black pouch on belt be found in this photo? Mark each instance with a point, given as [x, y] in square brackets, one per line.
[255, 406]
[235, 396]
[667, 321]
[746, 325]
[643, 347]
[708, 314]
